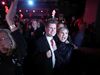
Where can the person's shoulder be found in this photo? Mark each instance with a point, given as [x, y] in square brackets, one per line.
[69, 45]
[41, 39]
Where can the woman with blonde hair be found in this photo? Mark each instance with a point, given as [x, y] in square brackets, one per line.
[7, 43]
[12, 45]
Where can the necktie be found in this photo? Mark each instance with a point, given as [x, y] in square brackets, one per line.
[53, 44]
[53, 49]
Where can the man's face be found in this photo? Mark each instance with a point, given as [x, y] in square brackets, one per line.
[5, 43]
[51, 30]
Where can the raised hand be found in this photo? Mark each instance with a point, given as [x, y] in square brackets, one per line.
[48, 54]
[11, 14]
[53, 13]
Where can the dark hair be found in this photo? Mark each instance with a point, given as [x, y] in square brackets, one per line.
[2, 12]
[51, 21]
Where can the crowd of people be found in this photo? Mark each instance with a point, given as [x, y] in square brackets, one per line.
[34, 46]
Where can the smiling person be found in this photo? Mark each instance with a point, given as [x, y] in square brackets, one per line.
[45, 49]
[64, 50]
[7, 43]
[12, 45]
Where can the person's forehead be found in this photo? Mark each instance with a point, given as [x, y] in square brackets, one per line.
[3, 34]
[52, 25]
[64, 30]
[62, 25]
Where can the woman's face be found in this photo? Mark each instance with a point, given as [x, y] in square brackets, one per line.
[63, 35]
[5, 42]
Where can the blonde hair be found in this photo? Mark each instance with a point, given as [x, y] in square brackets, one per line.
[62, 28]
[13, 44]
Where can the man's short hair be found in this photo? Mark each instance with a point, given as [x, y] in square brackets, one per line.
[51, 21]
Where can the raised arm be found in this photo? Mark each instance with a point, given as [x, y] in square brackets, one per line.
[53, 13]
[11, 14]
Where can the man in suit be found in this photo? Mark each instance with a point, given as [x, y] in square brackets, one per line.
[45, 57]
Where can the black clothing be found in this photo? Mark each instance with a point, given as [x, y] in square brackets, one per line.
[12, 65]
[63, 57]
[43, 64]
[63, 54]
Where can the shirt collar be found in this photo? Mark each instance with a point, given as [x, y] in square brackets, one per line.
[49, 38]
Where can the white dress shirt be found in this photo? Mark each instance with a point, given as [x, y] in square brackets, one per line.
[52, 49]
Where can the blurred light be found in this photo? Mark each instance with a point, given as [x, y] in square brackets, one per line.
[30, 2]
[6, 9]
[21, 15]
[41, 11]
[3, 3]
[20, 10]
[33, 11]
[26, 10]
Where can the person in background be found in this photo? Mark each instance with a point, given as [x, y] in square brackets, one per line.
[79, 37]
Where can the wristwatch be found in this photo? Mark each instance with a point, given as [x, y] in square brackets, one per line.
[12, 26]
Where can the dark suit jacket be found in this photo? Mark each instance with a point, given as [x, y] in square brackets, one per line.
[43, 63]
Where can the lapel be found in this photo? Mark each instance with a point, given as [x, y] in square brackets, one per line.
[46, 44]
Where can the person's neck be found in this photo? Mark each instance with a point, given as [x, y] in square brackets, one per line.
[49, 36]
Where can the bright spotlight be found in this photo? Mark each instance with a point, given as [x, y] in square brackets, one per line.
[30, 2]
[3, 3]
